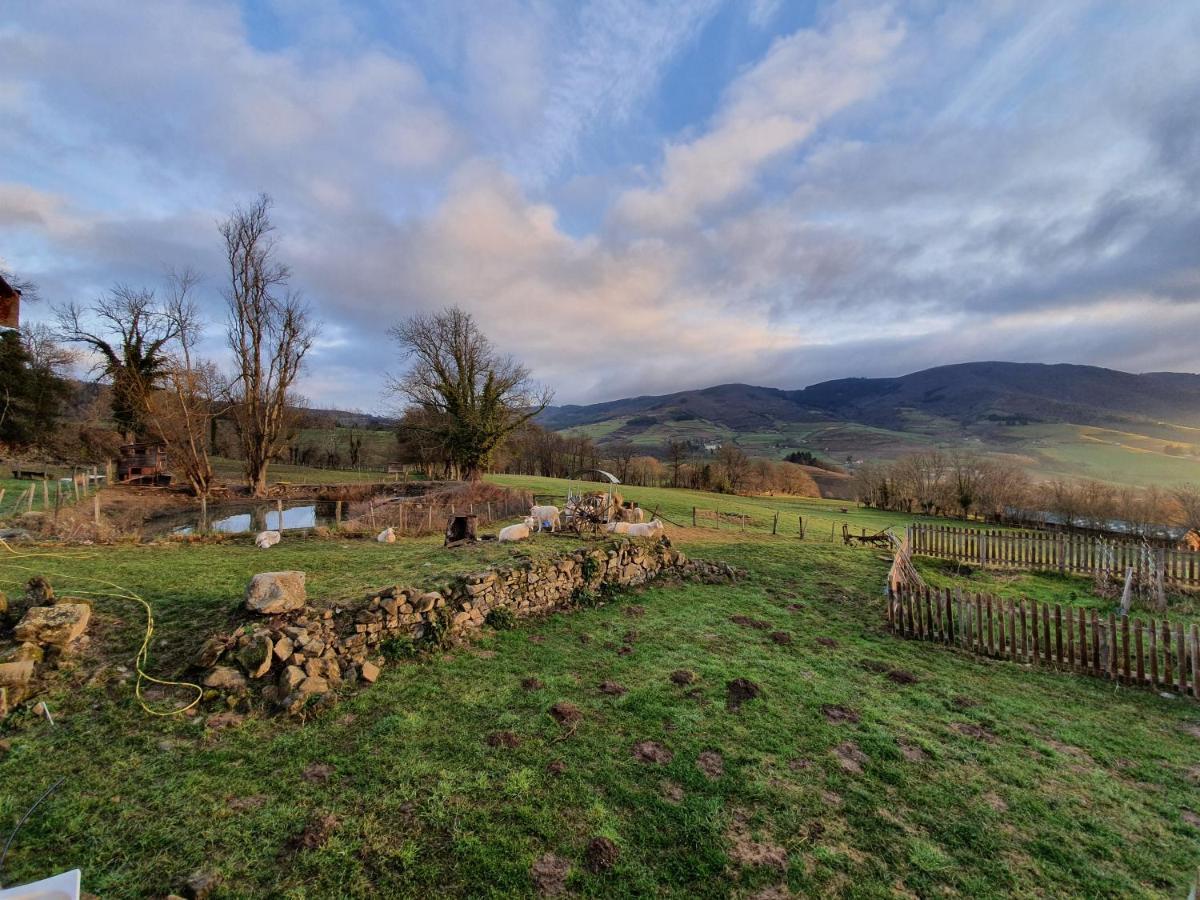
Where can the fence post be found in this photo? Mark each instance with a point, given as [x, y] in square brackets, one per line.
[96, 508]
[693, 517]
[775, 524]
[801, 518]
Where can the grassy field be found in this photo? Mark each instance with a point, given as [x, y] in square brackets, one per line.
[231, 469]
[868, 767]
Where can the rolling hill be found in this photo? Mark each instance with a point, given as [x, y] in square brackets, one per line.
[1053, 419]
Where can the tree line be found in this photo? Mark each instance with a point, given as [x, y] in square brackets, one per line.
[970, 485]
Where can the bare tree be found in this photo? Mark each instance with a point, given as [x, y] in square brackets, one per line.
[1187, 496]
[621, 453]
[129, 330]
[182, 413]
[734, 466]
[473, 396]
[676, 454]
[269, 331]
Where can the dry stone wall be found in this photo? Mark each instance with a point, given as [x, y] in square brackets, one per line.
[301, 655]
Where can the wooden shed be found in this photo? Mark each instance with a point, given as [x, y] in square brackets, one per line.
[10, 305]
[144, 462]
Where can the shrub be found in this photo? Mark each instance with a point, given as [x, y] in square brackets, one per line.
[502, 618]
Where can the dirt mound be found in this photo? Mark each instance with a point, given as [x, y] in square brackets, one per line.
[839, 714]
[827, 642]
[652, 752]
[613, 689]
[634, 611]
[912, 752]
[902, 676]
[747, 852]
[531, 684]
[672, 792]
[316, 834]
[739, 691]
[711, 763]
[748, 622]
[631, 636]
[781, 637]
[549, 874]
[317, 772]
[505, 739]
[683, 676]
[601, 855]
[874, 665]
[850, 758]
[978, 732]
[566, 713]
[556, 767]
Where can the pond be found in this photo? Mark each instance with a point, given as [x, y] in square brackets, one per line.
[242, 518]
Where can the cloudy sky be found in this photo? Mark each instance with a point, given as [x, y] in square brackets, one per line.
[633, 196]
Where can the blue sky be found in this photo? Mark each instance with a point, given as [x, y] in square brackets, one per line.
[632, 196]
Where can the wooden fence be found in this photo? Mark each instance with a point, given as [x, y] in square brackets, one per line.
[1067, 553]
[1151, 654]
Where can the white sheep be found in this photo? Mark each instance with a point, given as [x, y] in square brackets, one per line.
[519, 532]
[387, 536]
[618, 527]
[634, 514]
[546, 516]
[265, 539]
[648, 529]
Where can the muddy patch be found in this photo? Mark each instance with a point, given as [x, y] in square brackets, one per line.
[912, 752]
[827, 642]
[740, 691]
[850, 758]
[995, 801]
[831, 798]
[672, 792]
[961, 702]
[246, 804]
[652, 752]
[795, 607]
[556, 767]
[799, 764]
[549, 874]
[977, 732]
[683, 676]
[223, 720]
[612, 688]
[624, 650]
[504, 739]
[839, 715]
[316, 834]
[634, 611]
[874, 665]
[901, 676]
[531, 684]
[746, 852]
[748, 622]
[601, 855]
[772, 892]
[781, 637]
[711, 763]
[1190, 817]
[318, 773]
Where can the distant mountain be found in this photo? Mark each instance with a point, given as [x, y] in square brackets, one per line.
[966, 394]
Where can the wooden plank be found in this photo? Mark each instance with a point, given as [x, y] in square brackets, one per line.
[1012, 630]
[1137, 644]
[1196, 661]
[1096, 661]
[1046, 648]
[1153, 653]
[1083, 648]
[1024, 633]
[1070, 637]
[1001, 643]
[948, 597]
[1058, 634]
[930, 628]
[1181, 658]
[1166, 642]
[1125, 648]
[991, 644]
[1037, 654]
[1112, 646]
[978, 622]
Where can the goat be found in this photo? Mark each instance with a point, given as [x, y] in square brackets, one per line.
[519, 532]
[547, 516]
[387, 536]
[647, 529]
[265, 539]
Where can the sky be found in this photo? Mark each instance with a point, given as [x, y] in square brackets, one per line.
[631, 196]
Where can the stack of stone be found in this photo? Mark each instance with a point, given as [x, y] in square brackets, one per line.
[46, 629]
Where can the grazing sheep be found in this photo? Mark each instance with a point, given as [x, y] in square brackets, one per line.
[515, 532]
[546, 516]
[648, 529]
[266, 539]
[387, 536]
[618, 527]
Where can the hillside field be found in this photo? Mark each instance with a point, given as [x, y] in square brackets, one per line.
[869, 766]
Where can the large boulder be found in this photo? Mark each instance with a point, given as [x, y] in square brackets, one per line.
[57, 625]
[16, 674]
[272, 593]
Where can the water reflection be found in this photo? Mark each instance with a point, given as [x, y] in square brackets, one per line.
[235, 518]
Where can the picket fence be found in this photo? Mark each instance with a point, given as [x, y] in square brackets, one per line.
[1066, 553]
[1153, 654]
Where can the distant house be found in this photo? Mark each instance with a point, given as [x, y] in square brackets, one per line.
[10, 305]
[712, 447]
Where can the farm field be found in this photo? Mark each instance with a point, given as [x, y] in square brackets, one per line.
[232, 469]
[869, 766]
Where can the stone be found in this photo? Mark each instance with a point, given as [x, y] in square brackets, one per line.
[200, 885]
[273, 593]
[16, 674]
[369, 672]
[225, 678]
[283, 647]
[256, 657]
[38, 592]
[210, 652]
[29, 651]
[290, 679]
[57, 625]
[428, 601]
